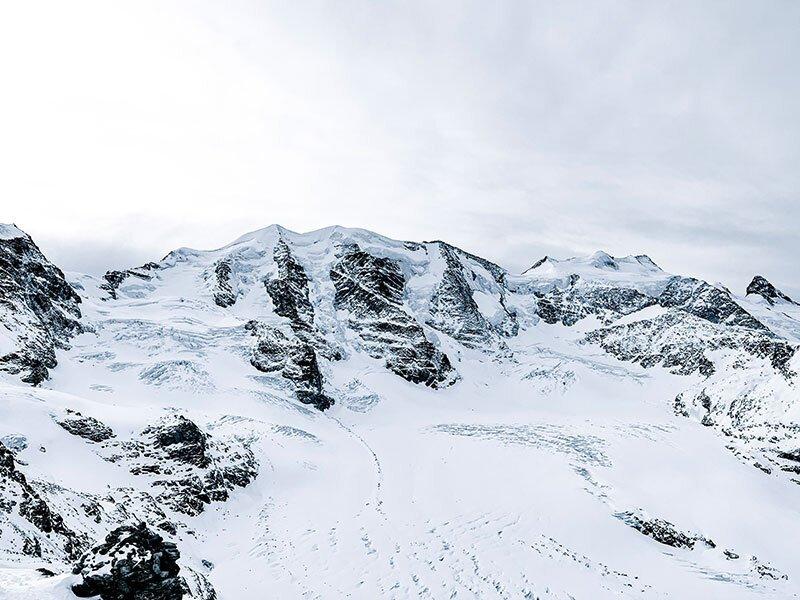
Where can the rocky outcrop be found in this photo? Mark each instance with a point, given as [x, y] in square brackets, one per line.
[133, 563]
[582, 299]
[17, 495]
[182, 440]
[38, 308]
[707, 302]
[289, 290]
[223, 292]
[761, 287]
[114, 279]
[88, 428]
[186, 467]
[454, 310]
[293, 358]
[681, 343]
[370, 289]
[663, 532]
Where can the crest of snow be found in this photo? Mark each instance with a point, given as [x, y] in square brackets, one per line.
[593, 264]
[9, 231]
[634, 271]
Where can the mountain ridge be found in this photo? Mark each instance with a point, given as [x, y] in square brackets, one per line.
[222, 394]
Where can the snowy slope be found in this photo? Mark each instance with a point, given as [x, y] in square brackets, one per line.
[337, 414]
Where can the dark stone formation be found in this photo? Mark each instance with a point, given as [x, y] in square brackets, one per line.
[707, 302]
[537, 264]
[672, 341]
[38, 305]
[289, 291]
[371, 289]
[793, 455]
[294, 358]
[88, 428]
[115, 278]
[662, 531]
[454, 310]
[15, 489]
[182, 441]
[223, 294]
[575, 302]
[133, 563]
[766, 290]
[190, 468]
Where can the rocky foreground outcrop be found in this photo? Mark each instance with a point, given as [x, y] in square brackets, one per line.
[133, 563]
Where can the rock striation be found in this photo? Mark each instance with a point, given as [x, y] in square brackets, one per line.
[39, 310]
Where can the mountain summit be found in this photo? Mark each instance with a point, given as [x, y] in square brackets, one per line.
[766, 290]
[338, 414]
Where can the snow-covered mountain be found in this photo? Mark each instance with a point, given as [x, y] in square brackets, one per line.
[340, 415]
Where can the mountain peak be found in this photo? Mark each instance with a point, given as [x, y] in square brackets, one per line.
[591, 264]
[762, 287]
[9, 231]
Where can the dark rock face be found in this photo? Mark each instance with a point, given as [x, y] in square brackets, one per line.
[289, 291]
[454, 310]
[662, 531]
[577, 301]
[371, 289]
[88, 428]
[37, 305]
[294, 358]
[509, 327]
[223, 292]
[115, 278]
[766, 290]
[702, 300]
[182, 441]
[16, 491]
[133, 563]
[188, 468]
[679, 343]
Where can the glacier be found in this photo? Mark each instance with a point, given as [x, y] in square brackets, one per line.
[337, 414]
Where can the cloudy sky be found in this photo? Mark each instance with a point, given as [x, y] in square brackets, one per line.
[511, 129]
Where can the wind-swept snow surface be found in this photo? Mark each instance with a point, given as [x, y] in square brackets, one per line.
[341, 415]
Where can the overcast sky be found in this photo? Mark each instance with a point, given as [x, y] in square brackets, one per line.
[511, 129]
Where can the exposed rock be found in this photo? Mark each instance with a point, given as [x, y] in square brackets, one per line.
[37, 307]
[371, 289]
[662, 531]
[223, 292]
[114, 279]
[187, 467]
[581, 299]
[16, 491]
[454, 310]
[294, 358]
[133, 563]
[703, 300]
[289, 291]
[766, 290]
[680, 343]
[766, 571]
[183, 441]
[88, 428]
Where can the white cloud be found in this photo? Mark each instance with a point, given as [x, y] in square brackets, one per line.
[512, 129]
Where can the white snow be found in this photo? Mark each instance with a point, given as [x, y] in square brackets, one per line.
[9, 232]
[504, 485]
